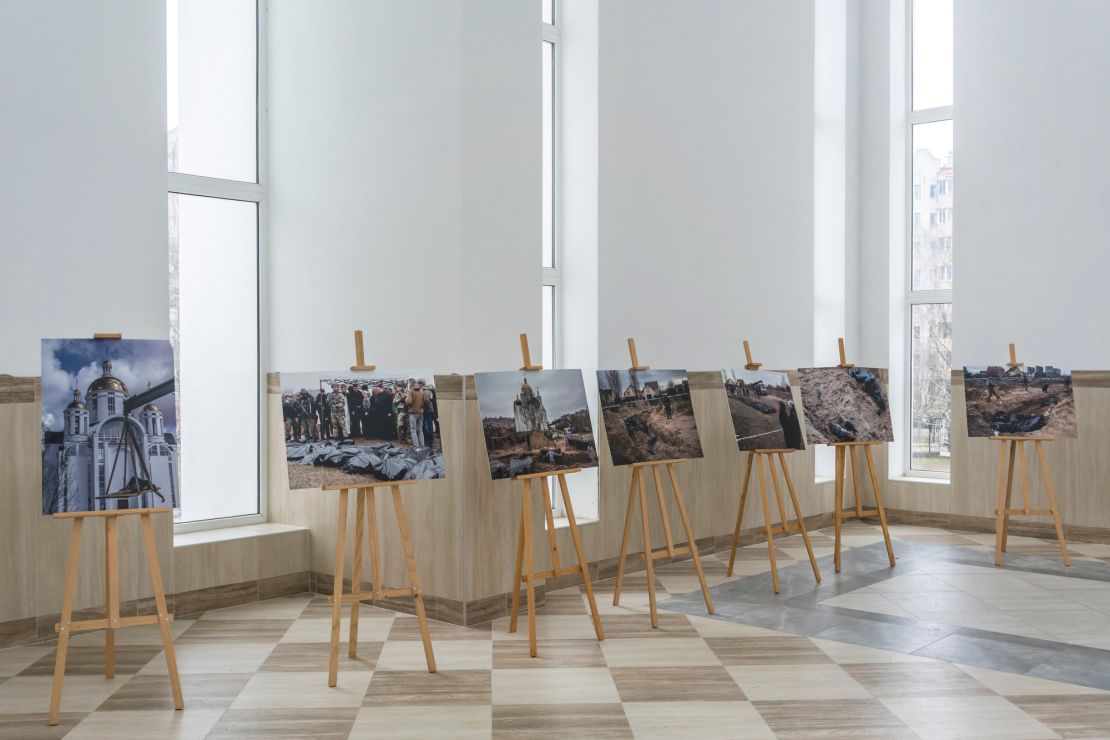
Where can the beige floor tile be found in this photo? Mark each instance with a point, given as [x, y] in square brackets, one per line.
[212, 658]
[400, 723]
[417, 688]
[553, 686]
[450, 655]
[709, 719]
[370, 629]
[192, 724]
[13, 660]
[648, 651]
[845, 653]
[308, 690]
[28, 694]
[1014, 684]
[967, 717]
[549, 627]
[868, 602]
[912, 583]
[288, 607]
[144, 634]
[783, 682]
[709, 627]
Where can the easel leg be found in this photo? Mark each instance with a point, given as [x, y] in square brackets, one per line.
[838, 508]
[798, 514]
[414, 579]
[765, 501]
[356, 570]
[66, 619]
[648, 562]
[549, 515]
[163, 612]
[879, 503]
[624, 537]
[1052, 502]
[667, 539]
[1009, 496]
[581, 553]
[857, 492]
[690, 538]
[1002, 489]
[530, 570]
[740, 513]
[337, 588]
[372, 535]
[515, 610]
[111, 587]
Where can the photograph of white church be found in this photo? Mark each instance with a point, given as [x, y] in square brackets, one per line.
[109, 425]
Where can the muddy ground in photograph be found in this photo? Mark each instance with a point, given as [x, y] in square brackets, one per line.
[640, 431]
[830, 394]
[1057, 406]
[756, 429]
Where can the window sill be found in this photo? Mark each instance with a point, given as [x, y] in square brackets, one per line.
[561, 522]
[248, 531]
[921, 479]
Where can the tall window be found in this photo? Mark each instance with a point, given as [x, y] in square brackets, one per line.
[551, 252]
[217, 199]
[930, 194]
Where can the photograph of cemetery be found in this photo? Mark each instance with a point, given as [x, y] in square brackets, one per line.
[648, 415]
[1032, 400]
[845, 404]
[763, 412]
[535, 421]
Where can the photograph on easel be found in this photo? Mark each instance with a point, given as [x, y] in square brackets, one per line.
[109, 425]
[648, 415]
[845, 404]
[346, 427]
[761, 404]
[535, 421]
[1019, 401]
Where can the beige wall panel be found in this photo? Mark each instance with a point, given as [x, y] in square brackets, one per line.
[20, 488]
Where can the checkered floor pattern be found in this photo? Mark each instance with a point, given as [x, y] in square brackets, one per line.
[259, 671]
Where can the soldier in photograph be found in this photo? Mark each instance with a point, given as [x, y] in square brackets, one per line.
[337, 406]
[991, 392]
[307, 414]
[320, 405]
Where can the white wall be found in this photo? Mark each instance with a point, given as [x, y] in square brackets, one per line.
[83, 163]
[706, 146]
[1032, 181]
[404, 182]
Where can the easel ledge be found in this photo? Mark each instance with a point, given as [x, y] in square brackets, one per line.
[112, 512]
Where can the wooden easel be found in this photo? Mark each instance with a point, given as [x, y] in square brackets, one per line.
[366, 517]
[768, 457]
[848, 449]
[669, 551]
[1006, 484]
[525, 571]
[112, 620]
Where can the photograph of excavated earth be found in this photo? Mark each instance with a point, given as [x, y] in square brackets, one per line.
[1035, 400]
[762, 409]
[648, 415]
[374, 441]
[845, 405]
[535, 421]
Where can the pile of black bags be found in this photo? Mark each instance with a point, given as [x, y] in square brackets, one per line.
[385, 461]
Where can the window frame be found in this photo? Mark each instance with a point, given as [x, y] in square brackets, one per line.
[249, 192]
[915, 297]
[553, 276]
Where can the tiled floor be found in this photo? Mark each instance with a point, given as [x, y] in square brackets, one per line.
[260, 670]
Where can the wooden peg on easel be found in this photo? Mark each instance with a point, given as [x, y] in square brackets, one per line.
[108, 335]
[749, 364]
[635, 358]
[360, 358]
[843, 357]
[1013, 357]
[527, 355]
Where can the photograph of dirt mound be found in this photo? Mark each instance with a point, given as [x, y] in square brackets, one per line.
[762, 410]
[648, 415]
[845, 405]
[1031, 401]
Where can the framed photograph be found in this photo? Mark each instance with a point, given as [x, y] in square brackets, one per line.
[648, 415]
[845, 404]
[346, 427]
[109, 425]
[1032, 400]
[535, 421]
[761, 405]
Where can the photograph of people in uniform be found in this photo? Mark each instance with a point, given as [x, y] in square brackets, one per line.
[762, 408]
[1030, 400]
[351, 427]
[845, 404]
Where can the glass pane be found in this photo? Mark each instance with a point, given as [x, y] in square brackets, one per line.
[548, 154]
[932, 53]
[548, 11]
[931, 400]
[211, 86]
[214, 329]
[931, 200]
[548, 327]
